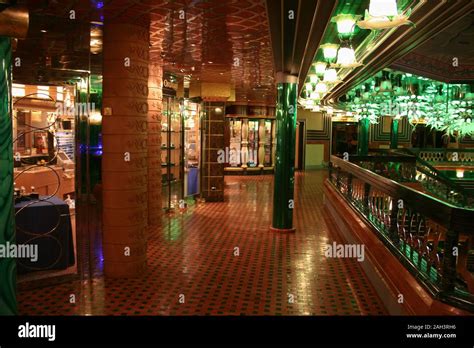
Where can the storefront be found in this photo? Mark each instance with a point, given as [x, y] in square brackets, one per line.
[44, 126]
[250, 140]
[180, 146]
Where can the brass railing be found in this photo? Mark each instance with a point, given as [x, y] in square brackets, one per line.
[402, 165]
[433, 239]
[454, 156]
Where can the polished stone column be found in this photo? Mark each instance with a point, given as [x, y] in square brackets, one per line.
[283, 189]
[125, 143]
[8, 304]
[394, 133]
[363, 139]
[261, 143]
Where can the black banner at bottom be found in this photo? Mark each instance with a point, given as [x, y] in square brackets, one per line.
[385, 330]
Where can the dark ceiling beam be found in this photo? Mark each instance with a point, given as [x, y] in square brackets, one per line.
[432, 17]
[321, 19]
[295, 41]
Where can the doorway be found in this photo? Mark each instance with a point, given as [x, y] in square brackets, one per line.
[300, 145]
[344, 138]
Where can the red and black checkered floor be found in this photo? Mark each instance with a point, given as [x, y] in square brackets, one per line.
[195, 268]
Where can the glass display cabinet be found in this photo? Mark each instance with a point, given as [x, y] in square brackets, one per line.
[250, 144]
[192, 147]
[268, 143]
[252, 160]
[235, 128]
[172, 156]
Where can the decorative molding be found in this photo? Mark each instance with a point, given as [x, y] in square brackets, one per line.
[323, 134]
[377, 132]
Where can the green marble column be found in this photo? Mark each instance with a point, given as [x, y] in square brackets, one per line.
[283, 190]
[7, 221]
[363, 141]
[394, 133]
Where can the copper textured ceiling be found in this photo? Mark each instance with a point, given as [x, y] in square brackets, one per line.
[224, 41]
[208, 40]
[217, 41]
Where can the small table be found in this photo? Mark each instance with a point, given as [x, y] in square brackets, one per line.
[45, 223]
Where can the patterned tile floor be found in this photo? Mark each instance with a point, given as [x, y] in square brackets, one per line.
[192, 259]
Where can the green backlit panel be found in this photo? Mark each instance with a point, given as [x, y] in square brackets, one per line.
[424, 266]
[7, 231]
[434, 276]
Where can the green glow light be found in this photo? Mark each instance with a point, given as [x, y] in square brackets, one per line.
[345, 24]
[440, 106]
[329, 51]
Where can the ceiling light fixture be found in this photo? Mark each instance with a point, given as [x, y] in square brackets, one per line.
[319, 67]
[381, 8]
[330, 51]
[345, 24]
[330, 76]
[346, 58]
[383, 14]
[313, 78]
[315, 96]
[321, 88]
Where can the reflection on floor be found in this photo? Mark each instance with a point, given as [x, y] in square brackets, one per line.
[195, 268]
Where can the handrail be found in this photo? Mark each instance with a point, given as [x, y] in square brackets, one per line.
[421, 230]
[442, 212]
[464, 156]
[445, 150]
[435, 174]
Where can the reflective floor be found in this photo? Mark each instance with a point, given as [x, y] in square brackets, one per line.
[221, 259]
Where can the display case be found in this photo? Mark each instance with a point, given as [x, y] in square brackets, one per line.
[192, 147]
[172, 153]
[268, 143]
[249, 144]
[252, 143]
[235, 128]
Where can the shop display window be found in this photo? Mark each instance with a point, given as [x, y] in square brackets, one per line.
[268, 143]
[192, 147]
[171, 153]
[253, 144]
[244, 147]
[44, 179]
[235, 143]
